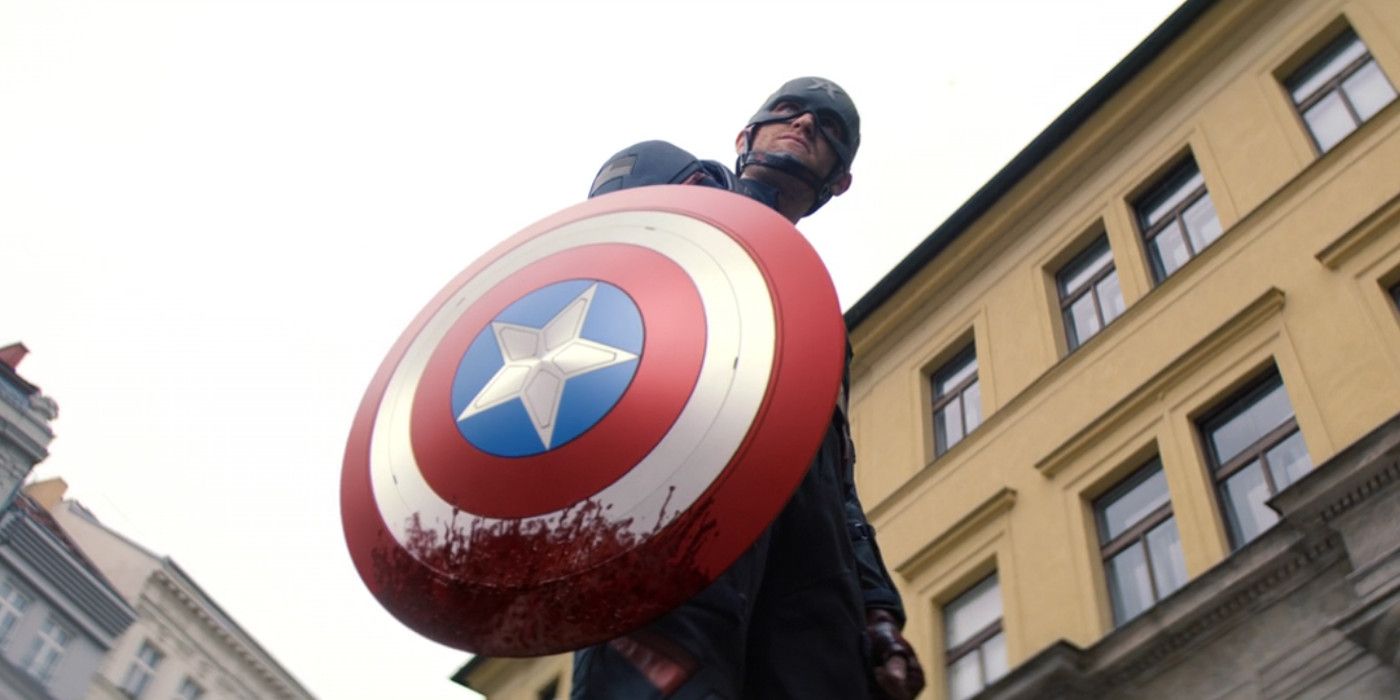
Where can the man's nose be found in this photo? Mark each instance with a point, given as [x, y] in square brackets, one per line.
[806, 121]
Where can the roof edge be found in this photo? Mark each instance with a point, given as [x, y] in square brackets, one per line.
[1055, 135]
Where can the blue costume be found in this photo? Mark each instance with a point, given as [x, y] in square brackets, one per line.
[789, 618]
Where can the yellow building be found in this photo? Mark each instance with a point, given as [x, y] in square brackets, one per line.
[1127, 421]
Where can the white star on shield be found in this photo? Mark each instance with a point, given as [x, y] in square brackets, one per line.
[538, 361]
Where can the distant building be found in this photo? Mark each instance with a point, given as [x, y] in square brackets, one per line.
[59, 616]
[24, 423]
[183, 645]
[1129, 421]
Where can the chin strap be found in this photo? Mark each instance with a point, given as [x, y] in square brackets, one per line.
[788, 165]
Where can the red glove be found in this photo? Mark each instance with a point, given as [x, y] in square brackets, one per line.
[896, 669]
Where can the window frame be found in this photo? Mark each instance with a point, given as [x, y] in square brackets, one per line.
[12, 612]
[975, 642]
[1089, 288]
[1332, 85]
[1133, 534]
[1178, 174]
[1232, 406]
[134, 685]
[950, 367]
[189, 689]
[51, 648]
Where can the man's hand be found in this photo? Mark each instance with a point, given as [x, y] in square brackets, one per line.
[896, 668]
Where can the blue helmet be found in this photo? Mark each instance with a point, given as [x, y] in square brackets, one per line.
[838, 122]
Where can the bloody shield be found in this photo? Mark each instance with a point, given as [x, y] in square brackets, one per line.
[593, 421]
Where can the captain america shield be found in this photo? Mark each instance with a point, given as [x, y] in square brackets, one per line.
[593, 421]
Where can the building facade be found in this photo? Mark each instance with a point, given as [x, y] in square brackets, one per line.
[1128, 421]
[59, 616]
[25, 414]
[182, 644]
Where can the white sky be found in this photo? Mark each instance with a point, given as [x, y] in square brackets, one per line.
[216, 217]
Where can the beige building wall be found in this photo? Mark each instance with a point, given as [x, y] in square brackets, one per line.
[1297, 280]
[543, 678]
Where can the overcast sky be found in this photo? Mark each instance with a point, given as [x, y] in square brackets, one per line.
[216, 217]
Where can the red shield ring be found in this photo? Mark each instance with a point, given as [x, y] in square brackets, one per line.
[593, 421]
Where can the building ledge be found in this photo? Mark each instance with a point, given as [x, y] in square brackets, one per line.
[1304, 544]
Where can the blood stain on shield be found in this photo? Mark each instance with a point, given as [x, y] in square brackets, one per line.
[518, 615]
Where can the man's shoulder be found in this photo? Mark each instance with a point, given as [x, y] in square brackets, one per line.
[658, 163]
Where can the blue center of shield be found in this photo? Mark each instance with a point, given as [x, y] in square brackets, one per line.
[548, 368]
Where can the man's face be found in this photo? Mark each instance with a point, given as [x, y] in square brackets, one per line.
[803, 137]
[800, 137]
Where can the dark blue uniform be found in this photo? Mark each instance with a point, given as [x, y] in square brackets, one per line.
[787, 620]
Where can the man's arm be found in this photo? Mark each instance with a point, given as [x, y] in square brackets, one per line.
[894, 666]
[877, 588]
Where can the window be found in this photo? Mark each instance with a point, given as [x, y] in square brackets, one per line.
[1338, 90]
[142, 669]
[1089, 293]
[1177, 219]
[47, 650]
[1394, 296]
[973, 639]
[13, 602]
[1255, 451]
[957, 401]
[189, 690]
[1141, 548]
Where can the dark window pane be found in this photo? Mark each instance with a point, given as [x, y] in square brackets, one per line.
[1288, 461]
[1329, 121]
[1261, 415]
[1110, 297]
[1245, 493]
[1168, 564]
[1328, 65]
[1081, 269]
[1169, 250]
[1128, 504]
[956, 400]
[1177, 188]
[1368, 90]
[972, 406]
[1128, 584]
[957, 372]
[1201, 223]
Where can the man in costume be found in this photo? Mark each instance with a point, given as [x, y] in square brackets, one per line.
[809, 611]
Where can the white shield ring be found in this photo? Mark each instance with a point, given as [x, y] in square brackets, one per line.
[532, 555]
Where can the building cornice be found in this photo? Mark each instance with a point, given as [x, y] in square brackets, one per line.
[1302, 546]
[1383, 219]
[223, 628]
[995, 506]
[1249, 318]
[22, 430]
